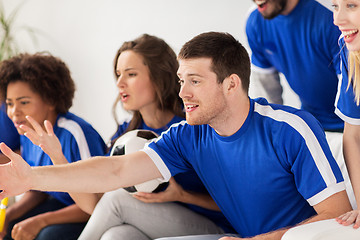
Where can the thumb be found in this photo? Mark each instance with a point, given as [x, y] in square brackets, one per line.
[14, 157]
[15, 176]
[7, 151]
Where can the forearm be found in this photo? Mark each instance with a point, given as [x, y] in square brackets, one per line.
[277, 235]
[201, 200]
[91, 176]
[351, 145]
[95, 175]
[86, 201]
[333, 206]
[69, 214]
[27, 202]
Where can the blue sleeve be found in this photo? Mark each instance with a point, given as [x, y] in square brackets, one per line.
[316, 173]
[8, 132]
[346, 107]
[254, 38]
[170, 151]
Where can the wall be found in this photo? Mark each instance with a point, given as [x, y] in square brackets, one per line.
[87, 34]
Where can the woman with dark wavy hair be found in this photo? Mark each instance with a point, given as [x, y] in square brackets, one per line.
[39, 87]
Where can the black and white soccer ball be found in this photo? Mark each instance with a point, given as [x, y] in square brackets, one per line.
[133, 141]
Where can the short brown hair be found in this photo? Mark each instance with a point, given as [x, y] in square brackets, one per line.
[227, 54]
[46, 75]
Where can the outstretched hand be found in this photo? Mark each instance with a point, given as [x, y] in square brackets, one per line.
[47, 141]
[15, 176]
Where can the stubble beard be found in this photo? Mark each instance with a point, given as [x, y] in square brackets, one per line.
[278, 9]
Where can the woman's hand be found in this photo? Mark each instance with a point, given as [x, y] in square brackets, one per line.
[46, 140]
[172, 193]
[349, 218]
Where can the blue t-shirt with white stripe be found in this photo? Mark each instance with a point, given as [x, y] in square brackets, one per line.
[346, 107]
[79, 140]
[266, 176]
[302, 45]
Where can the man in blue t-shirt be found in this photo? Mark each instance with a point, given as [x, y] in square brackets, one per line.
[268, 167]
[298, 39]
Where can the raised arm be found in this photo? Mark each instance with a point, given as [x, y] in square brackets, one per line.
[95, 175]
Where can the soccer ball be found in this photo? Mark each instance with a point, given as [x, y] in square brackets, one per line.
[134, 141]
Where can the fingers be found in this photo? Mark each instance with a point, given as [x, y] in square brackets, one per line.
[147, 197]
[49, 127]
[350, 218]
[357, 222]
[37, 135]
[37, 127]
[19, 233]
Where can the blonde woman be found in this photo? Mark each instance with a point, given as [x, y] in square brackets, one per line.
[347, 18]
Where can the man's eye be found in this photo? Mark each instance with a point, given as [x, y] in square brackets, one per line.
[351, 5]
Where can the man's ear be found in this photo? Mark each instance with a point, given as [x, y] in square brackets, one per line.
[232, 83]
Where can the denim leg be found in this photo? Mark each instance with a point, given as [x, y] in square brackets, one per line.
[69, 231]
[51, 204]
[53, 232]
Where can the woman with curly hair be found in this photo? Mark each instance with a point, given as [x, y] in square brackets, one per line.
[40, 86]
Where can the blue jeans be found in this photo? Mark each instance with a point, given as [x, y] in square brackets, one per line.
[54, 232]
